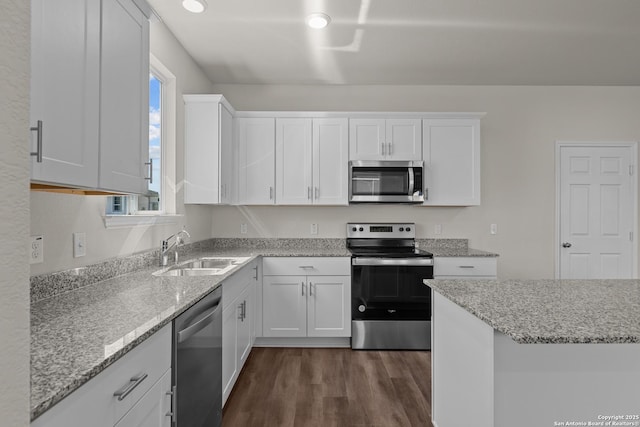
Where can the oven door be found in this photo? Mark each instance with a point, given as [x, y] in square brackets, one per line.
[390, 288]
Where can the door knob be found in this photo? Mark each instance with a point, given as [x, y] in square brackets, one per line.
[566, 245]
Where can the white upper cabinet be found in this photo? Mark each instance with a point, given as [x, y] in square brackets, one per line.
[451, 150]
[89, 88]
[65, 90]
[208, 165]
[124, 98]
[311, 161]
[385, 139]
[256, 161]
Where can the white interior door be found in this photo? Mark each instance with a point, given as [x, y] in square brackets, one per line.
[597, 211]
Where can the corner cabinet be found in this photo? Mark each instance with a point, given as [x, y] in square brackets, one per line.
[385, 139]
[256, 160]
[208, 167]
[312, 161]
[451, 151]
[238, 323]
[306, 297]
[89, 91]
[147, 403]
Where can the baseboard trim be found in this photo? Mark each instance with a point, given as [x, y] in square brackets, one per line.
[340, 342]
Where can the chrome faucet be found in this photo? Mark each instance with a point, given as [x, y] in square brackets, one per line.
[164, 251]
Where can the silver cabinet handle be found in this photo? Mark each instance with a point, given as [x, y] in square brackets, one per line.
[309, 193]
[241, 314]
[256, 276]
[310, 289]
[302, 283]
[306, 267]
[38, 152]
[174, 401]
[466, 266]
[150, 164]
[317, 192]
[133, 383]
[270, 193]
[389, 152]
[382, 149]
[426, 193]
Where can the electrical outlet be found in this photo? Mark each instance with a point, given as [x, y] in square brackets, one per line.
[437, 229]
[493, 229]
[79, 244]
[314, 228]
[243, 228]
[36, 250]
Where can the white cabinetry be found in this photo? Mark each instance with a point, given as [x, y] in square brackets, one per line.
[256, 160]
[311, 161]
[385, 139]
[306, 297]
[451, 149]
[238, 323]
[89, 88]
[208, 165]
[146, 370]
[465, 268]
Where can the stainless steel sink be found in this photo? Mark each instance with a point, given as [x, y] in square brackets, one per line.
[209, 266]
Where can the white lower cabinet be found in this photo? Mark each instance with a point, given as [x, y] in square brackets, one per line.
[316, 303]
[94, 403]
[465, 268]
[238, 323]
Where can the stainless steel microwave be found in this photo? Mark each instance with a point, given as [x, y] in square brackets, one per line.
[386, 181]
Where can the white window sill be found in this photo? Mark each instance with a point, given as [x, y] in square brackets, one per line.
[123, 221]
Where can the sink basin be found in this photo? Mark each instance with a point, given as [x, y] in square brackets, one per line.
[209, 266]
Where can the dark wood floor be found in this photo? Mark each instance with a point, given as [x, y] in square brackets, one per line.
[331, 387]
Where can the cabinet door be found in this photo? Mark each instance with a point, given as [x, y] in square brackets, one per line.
[229, 349]
[65, 85]
[245, 323]
[151, 410]
[293, 162]
[284, 303]
[451, 149]
[201, 151]
[366, 139]
[403, 139]
[226, 155]
[329, 306]
[256, 162]
[124, 98]
[330, 162]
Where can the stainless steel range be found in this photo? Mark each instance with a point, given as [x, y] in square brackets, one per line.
[391, 307]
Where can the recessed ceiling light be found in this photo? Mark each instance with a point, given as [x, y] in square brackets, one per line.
[195, 6]
[318, 20]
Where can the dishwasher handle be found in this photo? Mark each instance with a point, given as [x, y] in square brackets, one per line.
[205, 321]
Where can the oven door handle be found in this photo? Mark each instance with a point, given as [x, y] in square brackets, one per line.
[410, 262]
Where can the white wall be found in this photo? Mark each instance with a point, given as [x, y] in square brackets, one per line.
[57, 216]
[14, 213]
[518, 165]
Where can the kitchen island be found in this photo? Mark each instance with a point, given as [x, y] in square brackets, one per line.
[535, 353]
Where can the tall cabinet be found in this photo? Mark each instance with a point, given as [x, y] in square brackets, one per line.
[89, 94]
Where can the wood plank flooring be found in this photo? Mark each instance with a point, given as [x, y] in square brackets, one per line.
[313, 387]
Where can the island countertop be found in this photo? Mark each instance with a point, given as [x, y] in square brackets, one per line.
[551, 311]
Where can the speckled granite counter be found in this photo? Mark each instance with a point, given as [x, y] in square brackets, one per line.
[80, 330]
[551, 311]
[451, 248]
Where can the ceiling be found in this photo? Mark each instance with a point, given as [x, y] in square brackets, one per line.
[407, 42]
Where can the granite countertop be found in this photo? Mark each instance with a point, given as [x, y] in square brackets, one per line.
[78, 333]
[459, 252]
[551, 311]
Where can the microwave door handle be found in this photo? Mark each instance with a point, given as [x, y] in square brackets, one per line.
[412, 182]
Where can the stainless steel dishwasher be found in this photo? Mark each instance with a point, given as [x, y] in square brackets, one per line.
[197, 364]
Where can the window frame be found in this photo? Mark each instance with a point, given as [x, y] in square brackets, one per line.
[168, 188]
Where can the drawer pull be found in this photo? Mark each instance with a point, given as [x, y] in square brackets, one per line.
[133, 383]
[467, 266]
[305, 267]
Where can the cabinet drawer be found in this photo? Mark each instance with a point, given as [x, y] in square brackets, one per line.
[94, 403]
[465, 266]
[306, 266]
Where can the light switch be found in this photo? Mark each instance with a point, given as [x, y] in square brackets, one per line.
[493, 229]
[79, 244]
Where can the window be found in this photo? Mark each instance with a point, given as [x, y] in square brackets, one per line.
[159, 199]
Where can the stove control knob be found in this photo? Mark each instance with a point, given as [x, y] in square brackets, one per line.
[402, 229]
[408, 229]
[362, 308]
[361, 229]
[354, 229]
